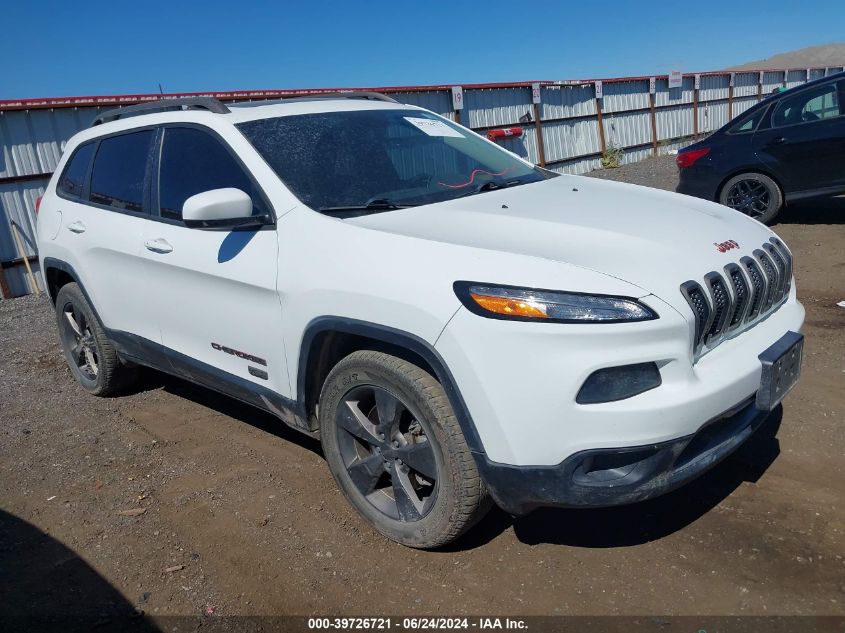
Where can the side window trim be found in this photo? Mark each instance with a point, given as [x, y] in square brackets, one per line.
[156, 175]
[86, 184]
[155, 211]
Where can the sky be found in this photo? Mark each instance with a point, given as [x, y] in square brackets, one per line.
[72, 48]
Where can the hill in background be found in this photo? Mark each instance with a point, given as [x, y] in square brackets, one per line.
[811, 57]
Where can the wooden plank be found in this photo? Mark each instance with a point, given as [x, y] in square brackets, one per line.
[36, 288]
[600, 126]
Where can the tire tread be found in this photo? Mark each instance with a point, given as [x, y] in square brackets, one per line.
[472, 499]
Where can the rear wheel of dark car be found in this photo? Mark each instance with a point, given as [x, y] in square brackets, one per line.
[397, 451]
[92, 359]
[755, 195]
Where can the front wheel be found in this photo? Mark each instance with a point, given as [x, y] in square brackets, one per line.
[755, 195]
[397, 451]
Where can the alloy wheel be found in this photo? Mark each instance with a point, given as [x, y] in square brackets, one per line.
[750, 197]
[387, 453]
[78, 339]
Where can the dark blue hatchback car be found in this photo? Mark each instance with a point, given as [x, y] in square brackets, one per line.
[788, 147]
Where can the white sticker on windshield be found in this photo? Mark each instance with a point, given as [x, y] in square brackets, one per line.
[433, 127]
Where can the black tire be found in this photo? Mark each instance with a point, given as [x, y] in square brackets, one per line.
[755, 195]
[92, 359]
[410, 407]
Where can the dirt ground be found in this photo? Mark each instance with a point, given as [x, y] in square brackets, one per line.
[232, 513]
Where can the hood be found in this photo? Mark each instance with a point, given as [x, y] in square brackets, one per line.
[653, 239]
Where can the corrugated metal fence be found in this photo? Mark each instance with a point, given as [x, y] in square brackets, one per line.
[568, 125]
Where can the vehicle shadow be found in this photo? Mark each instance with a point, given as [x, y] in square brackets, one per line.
[262, 420]
[820, 211]
[638, 523]
[619, 526]
[47, 587]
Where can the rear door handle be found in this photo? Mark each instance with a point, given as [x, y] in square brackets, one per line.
[159, 245]
[76, 227]
[780, 140]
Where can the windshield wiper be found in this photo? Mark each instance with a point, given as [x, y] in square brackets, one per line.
[491, 185]
[375, 205]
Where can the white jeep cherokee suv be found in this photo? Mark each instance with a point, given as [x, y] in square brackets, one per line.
[454, 323]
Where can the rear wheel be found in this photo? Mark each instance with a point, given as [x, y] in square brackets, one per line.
[397, 452]
[755, 195]
[90, 355]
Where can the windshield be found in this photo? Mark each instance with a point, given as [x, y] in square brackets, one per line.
[381, 159]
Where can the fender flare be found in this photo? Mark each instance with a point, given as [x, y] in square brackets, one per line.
[51, 262]
[399, 338]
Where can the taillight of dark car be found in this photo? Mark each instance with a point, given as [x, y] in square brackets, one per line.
[689, 158]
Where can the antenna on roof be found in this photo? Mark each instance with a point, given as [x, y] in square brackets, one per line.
[160, 91]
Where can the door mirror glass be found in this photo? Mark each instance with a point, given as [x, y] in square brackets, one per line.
[220, 209]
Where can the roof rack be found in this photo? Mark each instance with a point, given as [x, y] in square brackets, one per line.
[357, 94]
[209, 104]
[348, 94]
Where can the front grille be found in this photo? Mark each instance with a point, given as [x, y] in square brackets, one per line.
[758, 286]
[722, 306]
[780, 264]
[771, 279]
[741, 294]
[746, 292]
[787, 258]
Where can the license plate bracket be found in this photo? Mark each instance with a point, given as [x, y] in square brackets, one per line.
[781, 370]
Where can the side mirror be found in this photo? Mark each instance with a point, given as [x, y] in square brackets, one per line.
[220, 209]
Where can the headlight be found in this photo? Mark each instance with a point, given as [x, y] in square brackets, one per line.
[528, 304]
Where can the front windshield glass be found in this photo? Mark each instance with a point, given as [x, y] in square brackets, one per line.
[381, 159]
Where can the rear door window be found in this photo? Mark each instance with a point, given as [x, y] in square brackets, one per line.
[821, 102]
[193, 161]
[119, 173]
[72, 182]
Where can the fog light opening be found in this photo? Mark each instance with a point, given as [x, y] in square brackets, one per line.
[618, 383]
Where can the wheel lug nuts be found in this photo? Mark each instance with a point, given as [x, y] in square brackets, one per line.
[395, 444]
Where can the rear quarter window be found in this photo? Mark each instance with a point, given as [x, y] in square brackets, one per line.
[749, 123]
[72, 181]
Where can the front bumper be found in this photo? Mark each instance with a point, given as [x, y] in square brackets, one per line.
[520, 381]
[616, 476]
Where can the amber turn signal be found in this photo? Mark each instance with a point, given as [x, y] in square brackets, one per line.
[508, 306]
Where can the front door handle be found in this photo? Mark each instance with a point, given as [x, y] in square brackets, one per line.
[159, 245]
[76, 227]
[780, 140]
